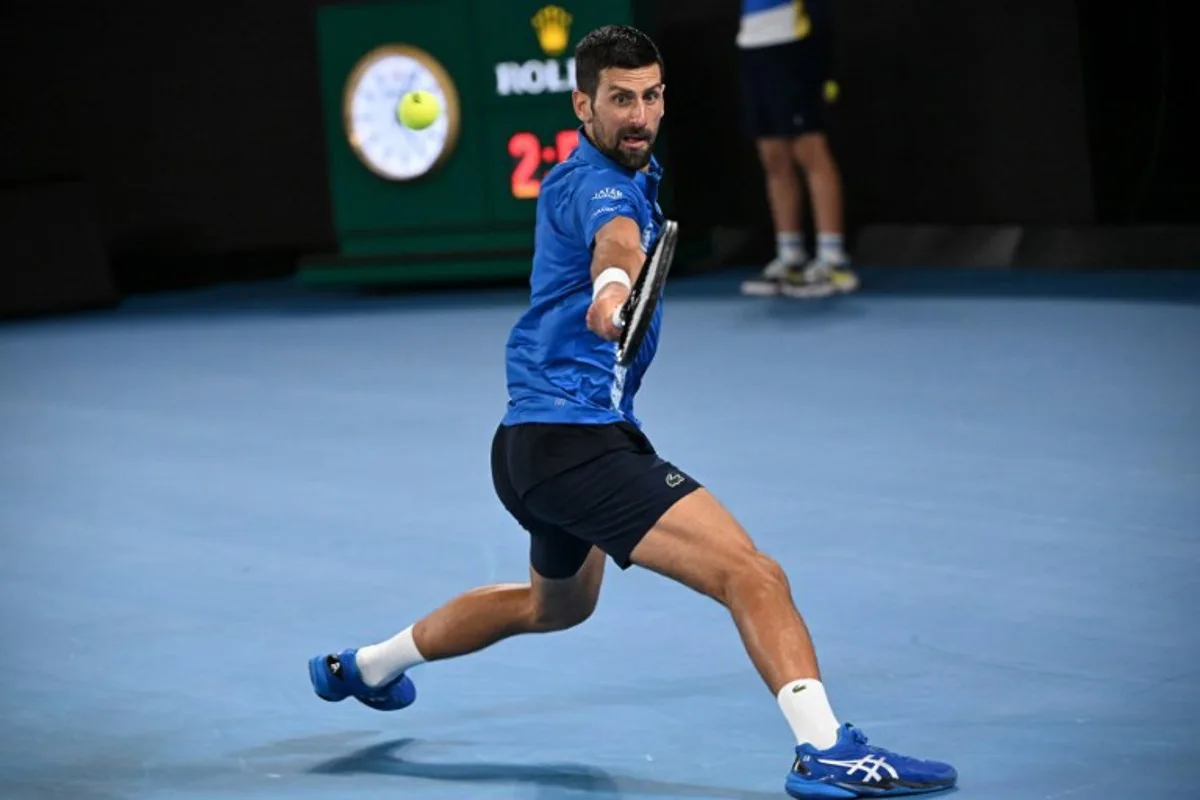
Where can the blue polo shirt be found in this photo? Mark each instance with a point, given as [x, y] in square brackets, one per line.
[557, 369]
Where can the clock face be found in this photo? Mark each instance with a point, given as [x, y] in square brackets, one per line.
[371, 101]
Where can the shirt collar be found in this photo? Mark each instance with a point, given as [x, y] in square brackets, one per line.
[588, 152]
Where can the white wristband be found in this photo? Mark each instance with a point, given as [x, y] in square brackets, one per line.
[610, 275]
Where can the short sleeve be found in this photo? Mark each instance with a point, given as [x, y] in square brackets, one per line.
[601, 197]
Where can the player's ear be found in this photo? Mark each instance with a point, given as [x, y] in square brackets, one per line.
[582, 104]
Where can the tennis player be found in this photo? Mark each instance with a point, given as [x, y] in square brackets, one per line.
[571, 464]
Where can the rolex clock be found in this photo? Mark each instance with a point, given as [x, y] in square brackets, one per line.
[371, 105]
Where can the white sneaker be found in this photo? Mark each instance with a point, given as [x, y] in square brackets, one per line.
[843, 277]
[814, 279]
[768, 283]
[820, 278]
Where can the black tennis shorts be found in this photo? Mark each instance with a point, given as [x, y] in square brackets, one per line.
[575, 486]
[783, 89]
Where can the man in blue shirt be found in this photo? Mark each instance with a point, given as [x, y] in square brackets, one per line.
[573, 467]
[557, 372]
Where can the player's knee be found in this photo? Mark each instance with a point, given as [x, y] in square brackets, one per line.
[560, 617]
[772, 574]
[754, 572]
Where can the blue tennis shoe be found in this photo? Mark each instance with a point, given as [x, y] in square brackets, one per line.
[852, 768]
[336, 677]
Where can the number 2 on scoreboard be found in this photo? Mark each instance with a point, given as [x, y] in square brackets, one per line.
[528, 150]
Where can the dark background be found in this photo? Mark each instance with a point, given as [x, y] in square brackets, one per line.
[188, 140]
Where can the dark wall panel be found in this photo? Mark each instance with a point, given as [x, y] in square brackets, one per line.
[964, 112]
[949, 112]
[197, 128]
[1141, 79]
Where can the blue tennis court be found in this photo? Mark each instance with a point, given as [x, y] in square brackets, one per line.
[985, 488]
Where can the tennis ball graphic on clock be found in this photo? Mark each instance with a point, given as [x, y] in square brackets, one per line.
[418, 110]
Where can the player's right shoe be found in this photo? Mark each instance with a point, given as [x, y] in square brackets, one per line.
[853, 768]
[336, 676]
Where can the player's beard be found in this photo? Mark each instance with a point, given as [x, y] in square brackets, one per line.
[615, 146]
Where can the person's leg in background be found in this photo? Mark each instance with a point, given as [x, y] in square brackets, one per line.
[783, 86]
[773, 135]
[811, 151]
[785, 198]
[816, 91]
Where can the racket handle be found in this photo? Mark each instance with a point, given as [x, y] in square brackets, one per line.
[618, 319]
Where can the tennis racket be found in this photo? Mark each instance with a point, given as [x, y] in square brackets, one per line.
[633, 317]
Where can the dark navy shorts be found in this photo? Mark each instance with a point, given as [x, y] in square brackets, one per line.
[575, 486]
[783, 89]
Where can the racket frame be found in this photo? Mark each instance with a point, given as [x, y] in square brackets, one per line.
[633, 316]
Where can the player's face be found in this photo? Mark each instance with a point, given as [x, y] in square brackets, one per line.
[622, 119]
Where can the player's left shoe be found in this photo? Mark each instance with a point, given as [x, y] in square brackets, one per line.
[336, 676]
[853, 768]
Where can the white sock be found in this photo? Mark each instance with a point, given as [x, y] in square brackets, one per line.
[789, 247]
[384, 662]
[807, 710]
[829, 248]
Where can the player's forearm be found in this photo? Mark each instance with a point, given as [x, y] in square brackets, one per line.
[619, 256]
[618, 245]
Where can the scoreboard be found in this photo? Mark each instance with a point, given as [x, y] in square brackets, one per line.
[454, 201]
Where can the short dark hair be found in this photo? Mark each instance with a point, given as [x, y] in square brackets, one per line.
[619, 46]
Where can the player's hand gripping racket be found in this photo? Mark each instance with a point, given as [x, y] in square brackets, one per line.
[633, 317]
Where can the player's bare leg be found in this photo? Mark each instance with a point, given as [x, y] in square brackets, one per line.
[484, 616]
[699, 543]
[472, 621]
